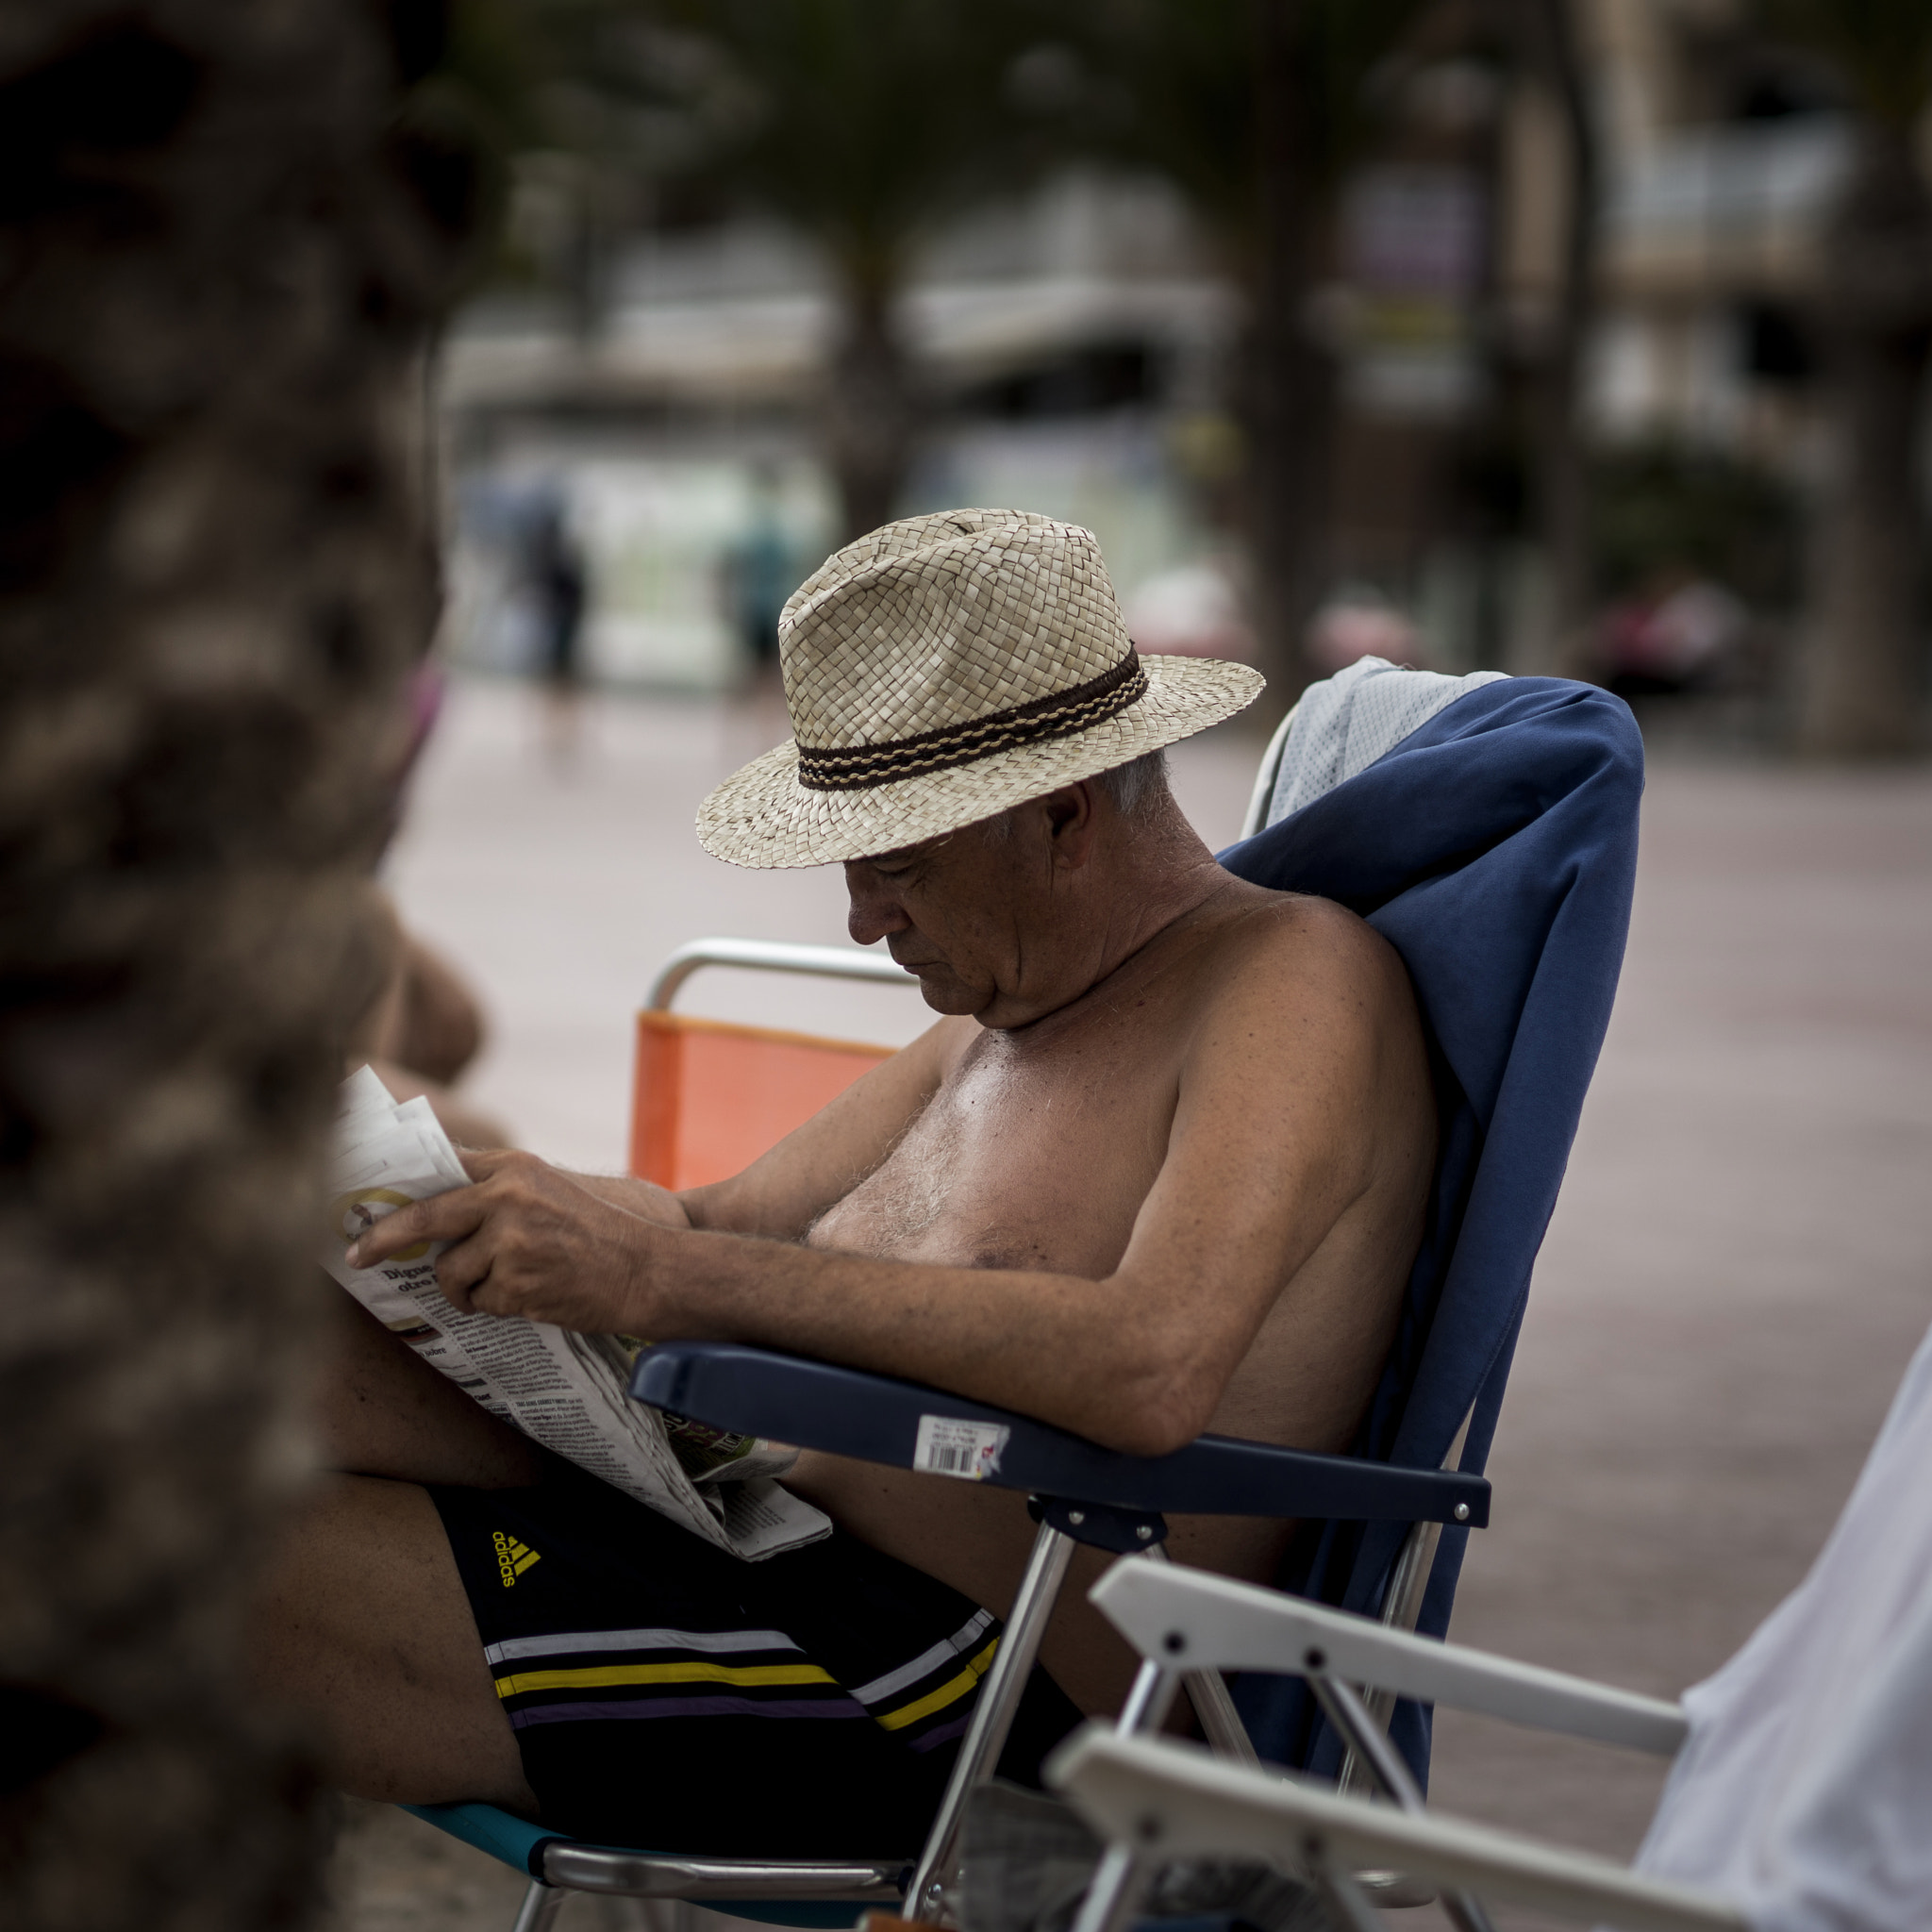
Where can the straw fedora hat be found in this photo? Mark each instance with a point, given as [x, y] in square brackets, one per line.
[941, 669]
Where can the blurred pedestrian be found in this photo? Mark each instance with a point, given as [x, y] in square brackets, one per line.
[416, 1019]
[760, 573]
[558, 583]
[420, 1026]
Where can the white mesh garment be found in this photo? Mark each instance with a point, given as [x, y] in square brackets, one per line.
[1345, 723]
[1805, 1787]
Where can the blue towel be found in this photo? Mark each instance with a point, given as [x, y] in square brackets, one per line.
[1496, 848]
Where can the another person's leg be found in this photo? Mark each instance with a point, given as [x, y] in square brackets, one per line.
[365, 1630]
[363, 1625]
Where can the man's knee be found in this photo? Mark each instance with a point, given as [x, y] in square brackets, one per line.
[381, 1410]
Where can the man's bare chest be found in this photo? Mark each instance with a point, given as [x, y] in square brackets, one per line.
[1021, 1160]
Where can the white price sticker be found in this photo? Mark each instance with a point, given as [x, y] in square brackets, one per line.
[951, 1445]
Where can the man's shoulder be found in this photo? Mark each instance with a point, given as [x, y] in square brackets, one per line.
[1294, 951]
[1262, 928]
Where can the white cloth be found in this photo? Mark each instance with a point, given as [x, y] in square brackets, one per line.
[1345, 723]
[1805, 1788]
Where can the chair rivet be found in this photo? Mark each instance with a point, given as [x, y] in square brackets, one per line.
[1175, 1643]
[1076, 1516]
[1462, 1512]
[1148, 1829]
[1145, 1532]
[1316, 1659]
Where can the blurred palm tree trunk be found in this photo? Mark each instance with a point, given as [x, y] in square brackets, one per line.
[1558, 444]
[1290, 376]
[219, 262]
[1863, 691]
[872, 418]
[863, 125]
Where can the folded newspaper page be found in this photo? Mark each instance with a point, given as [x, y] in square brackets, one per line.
[563, 1389]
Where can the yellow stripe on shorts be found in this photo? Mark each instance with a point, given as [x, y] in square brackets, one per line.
[949, 1693]
[600, 1677]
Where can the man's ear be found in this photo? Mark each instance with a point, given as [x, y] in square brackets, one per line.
[1072, 824]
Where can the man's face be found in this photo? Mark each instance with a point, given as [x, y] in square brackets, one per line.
[977, 913]
[944, 910]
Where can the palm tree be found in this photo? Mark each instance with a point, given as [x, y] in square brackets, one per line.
[223, 243]
[1863, 693]
[862, 124]
[1543, 33]
[1257, 109]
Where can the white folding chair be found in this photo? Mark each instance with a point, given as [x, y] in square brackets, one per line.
[1797, 1799]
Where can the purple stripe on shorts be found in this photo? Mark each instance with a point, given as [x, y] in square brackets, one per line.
[945, 1735]
[689, 1707]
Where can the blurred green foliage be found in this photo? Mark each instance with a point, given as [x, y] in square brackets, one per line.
[1179, 86]
[1662, 508]
[861, 122]
[866, 122]
[1881, 48]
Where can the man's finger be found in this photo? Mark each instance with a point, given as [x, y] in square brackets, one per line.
[445, 1218]
[479, 1163]
[461, 1269]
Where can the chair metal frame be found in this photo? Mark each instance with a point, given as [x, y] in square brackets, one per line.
[1369, 1762]
[1169, 1800]
[1080, 1493]
[771, 955]
[1153, 1804]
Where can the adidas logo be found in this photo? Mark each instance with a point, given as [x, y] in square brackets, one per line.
[513, 1558]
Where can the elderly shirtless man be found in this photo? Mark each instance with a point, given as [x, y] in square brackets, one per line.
[1161, 1169]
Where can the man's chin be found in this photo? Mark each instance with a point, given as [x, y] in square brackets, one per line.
[944, 993]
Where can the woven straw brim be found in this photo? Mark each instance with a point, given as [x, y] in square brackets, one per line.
[762, 816]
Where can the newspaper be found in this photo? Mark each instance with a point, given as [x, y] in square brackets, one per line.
[563, 1389]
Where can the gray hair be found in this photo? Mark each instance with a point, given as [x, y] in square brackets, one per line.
[1137, 787]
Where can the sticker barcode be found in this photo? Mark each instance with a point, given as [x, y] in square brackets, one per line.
[951, 1445]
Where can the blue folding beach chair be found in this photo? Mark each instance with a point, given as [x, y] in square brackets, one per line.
[1493, 844]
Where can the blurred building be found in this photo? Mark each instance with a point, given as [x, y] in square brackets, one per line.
[1066, 342]
[1074, 345]
[1724, 156]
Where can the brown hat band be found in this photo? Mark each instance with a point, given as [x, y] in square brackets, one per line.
[1060, 714]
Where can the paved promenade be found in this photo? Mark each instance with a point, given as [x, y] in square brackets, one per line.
[1740, 1265]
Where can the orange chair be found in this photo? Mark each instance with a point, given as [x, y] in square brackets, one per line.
[710, 1095]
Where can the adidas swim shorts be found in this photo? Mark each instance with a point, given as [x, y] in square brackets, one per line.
[668, 1696]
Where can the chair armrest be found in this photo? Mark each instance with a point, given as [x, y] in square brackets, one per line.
[771, 955]
[1211, 1622]
[1170, 1800]
[879, 1418]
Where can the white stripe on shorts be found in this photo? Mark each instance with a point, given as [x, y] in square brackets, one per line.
[959, 1644]
[567, 1642]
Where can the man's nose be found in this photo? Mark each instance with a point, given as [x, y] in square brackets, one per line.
[873, 911]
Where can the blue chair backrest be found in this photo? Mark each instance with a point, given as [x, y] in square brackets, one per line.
[1496, 848]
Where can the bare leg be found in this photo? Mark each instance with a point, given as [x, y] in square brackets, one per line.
[363, 1625]
[381, 1410]
[364, 1628]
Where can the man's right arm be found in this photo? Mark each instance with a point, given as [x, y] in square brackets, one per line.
[782, 1192]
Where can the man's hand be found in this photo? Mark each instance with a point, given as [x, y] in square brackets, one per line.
[528, 1239]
